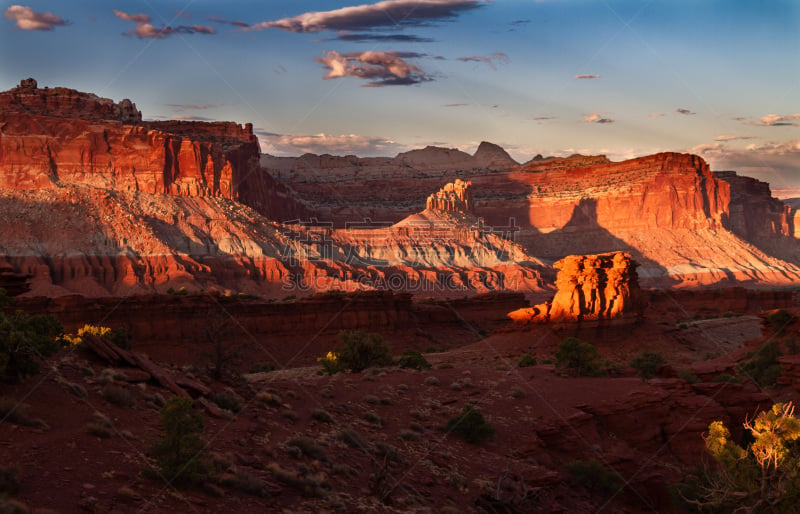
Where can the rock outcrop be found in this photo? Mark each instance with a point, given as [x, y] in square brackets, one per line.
[493, 157]
[590, 287]
[66, 103]
[754, 214]
[59, 136]
[455, 196]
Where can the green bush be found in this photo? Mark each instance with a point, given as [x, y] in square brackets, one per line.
[688, 376]
[725, 377]
[25, 339]
[763, 366]
[471, 426]
[179, 454]
[228, 400]
[118, 395]
[361, 350]
[647, 364]
[527, 360]
[414, 360]
[308, 447]
[778, 320]
[760, 476]
[578, 358]
[594, 476]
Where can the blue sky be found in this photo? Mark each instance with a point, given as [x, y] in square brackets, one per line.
[624, 78]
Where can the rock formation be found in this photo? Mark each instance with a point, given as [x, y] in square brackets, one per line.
[455, 196]
[754, 214]
[493, 157]
[66, 103]
[590, 287]
[59, 136]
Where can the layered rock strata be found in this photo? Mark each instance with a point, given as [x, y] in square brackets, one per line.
[590, 287]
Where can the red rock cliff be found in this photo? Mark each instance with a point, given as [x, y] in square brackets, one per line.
[754, 214]
[62, 136]
[665, 190]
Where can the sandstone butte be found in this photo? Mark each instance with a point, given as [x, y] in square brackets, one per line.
[600, 287]
[97, 200]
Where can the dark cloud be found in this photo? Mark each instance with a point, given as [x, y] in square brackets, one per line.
[145, 30]
[542, 118]
[218, 19]
[685, 111]
[455, 105]
[579, 77]
[491, 59]
[362, 37]
[27, 19]
[380, 68]
[388, 13]
[519, 22]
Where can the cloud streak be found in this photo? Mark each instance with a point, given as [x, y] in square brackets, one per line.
[27, 19]
[727, 137]
[685, 112]
[363, 37]
[388, 13]
[585, 77]
[347, 144]
[145, 30]
[219, 19]
[491, 59]
[379, 68]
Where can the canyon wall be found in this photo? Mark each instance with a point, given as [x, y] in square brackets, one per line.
[51, 137]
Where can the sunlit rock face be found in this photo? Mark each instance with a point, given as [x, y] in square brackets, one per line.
[590, 287]
[51, 137]
[455, 197]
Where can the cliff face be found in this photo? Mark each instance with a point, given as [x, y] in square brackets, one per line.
[590, 287]
[666, 190]
[59, 136]
[754, 214]
[455, 196]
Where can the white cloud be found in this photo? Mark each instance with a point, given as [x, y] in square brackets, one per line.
[379, 68]
[388, 13]
[774, 162]
[28, 19]
[347, 144]
[145, 30]
[778, 120]
[597, 118]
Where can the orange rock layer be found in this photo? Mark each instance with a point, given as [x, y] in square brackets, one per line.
[51, 137]
[590, 287]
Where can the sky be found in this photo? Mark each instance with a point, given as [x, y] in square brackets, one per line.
[627, 78]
